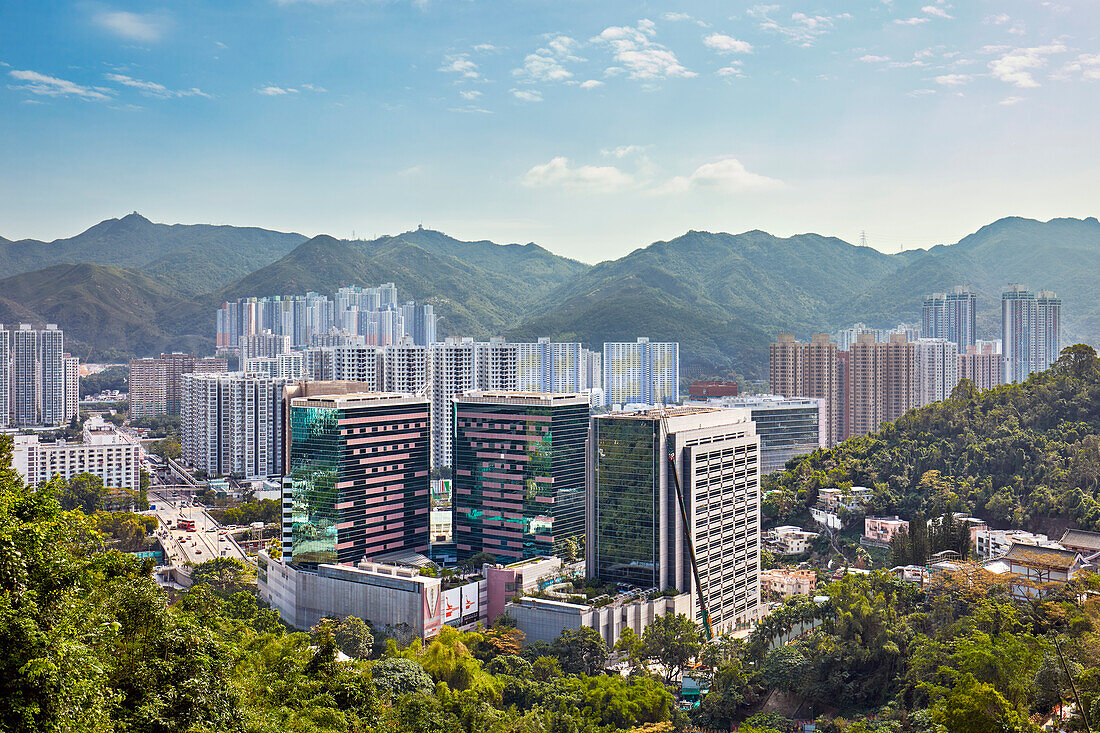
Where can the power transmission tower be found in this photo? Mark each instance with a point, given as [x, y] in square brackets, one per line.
[862, 238]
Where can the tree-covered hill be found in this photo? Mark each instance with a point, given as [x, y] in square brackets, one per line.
[191, 258]
[1024, 455]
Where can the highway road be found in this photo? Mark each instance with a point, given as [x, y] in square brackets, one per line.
[205, 543]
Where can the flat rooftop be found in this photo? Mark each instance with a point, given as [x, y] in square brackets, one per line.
[522, 398]
[356, 399]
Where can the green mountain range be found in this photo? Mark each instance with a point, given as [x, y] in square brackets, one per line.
[722, 296]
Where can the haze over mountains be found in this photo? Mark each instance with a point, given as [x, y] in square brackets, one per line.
[129, 286]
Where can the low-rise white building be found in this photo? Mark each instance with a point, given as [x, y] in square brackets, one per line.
[544, 620]
[788, 540]
[990, 544]
[787, 582]
[105, 452]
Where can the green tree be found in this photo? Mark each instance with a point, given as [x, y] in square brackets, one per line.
[976, 707]
[395, 677]
[581, 651]
[672, 641]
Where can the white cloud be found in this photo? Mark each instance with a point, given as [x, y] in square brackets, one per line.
[461, 64]
[910, 21]
[622, 151]
[726, 44]
[952, 80]
[920, 92]
[1088, 64]
[1009, 101]
[993, 49]
[936, 11]
[273, 91]
[636, 52]
[732, 70]
[1015, 67]
[153, 89]
[547, 64]
[560, 173]
[870, 59]
[998, 19]
[469, 96]
[591, 84]
[484, 47]
[527, 95]
[143, 27]
[676, 16]
[51, 86]
[803, 29]
[727, 175]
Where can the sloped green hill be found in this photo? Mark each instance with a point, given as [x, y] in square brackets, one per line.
[192, 258]
[106, 312]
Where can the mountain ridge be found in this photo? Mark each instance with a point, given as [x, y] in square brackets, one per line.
[723, 296]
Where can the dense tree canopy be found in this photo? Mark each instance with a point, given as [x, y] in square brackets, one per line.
[1014, 455]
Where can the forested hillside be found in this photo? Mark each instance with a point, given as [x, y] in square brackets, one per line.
[1022, 455]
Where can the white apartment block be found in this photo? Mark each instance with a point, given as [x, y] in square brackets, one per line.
[72, 387]
[641, 373]
[106, 452]
[990, 544]
[232, 423]
[264, 344]
[937, 370]
[287, 366]
[498, 364]
[591, 370]
[453, 372]
[34, 370]
[346, 364]
[405, 367]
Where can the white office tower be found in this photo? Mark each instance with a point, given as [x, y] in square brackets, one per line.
[635, 534]
[105, 452]
[419, 323]
[453, 373]
[5, 377]
[405, 367]
[52, 359]
[232, 424]
[497, 365]
[937, 370]
[642, 373]
[1031, 331]
[72, 387]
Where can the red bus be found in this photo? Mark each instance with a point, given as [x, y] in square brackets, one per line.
[186, 524]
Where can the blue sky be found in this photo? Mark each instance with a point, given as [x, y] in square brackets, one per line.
[591, 128]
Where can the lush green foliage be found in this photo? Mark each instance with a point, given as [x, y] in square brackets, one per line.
[1015, 455]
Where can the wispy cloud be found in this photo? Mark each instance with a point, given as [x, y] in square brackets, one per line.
[470, 95]
[936, 11]
[153, 89]
[1086, 64]
[591, 84]
[911, 21]
[1009, 101]
[548, 64]
[953, 80]
[527, 95]
[871, 59]
[141, 27]
[733, 70]
[726, 175]
[51, 86]
[1015, 67]
[635, 51]
[560, 173]
[485, 47]
[460, 64]
[998, 19]
[802, 29]
[722, 43]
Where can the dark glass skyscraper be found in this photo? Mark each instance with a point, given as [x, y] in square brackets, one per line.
[358, 477]
[519, 473]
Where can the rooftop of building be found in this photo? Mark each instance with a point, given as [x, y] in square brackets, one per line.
[1040, 557]
[659, 413]
[522, 398]
[1081, 538]
[356, 399]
